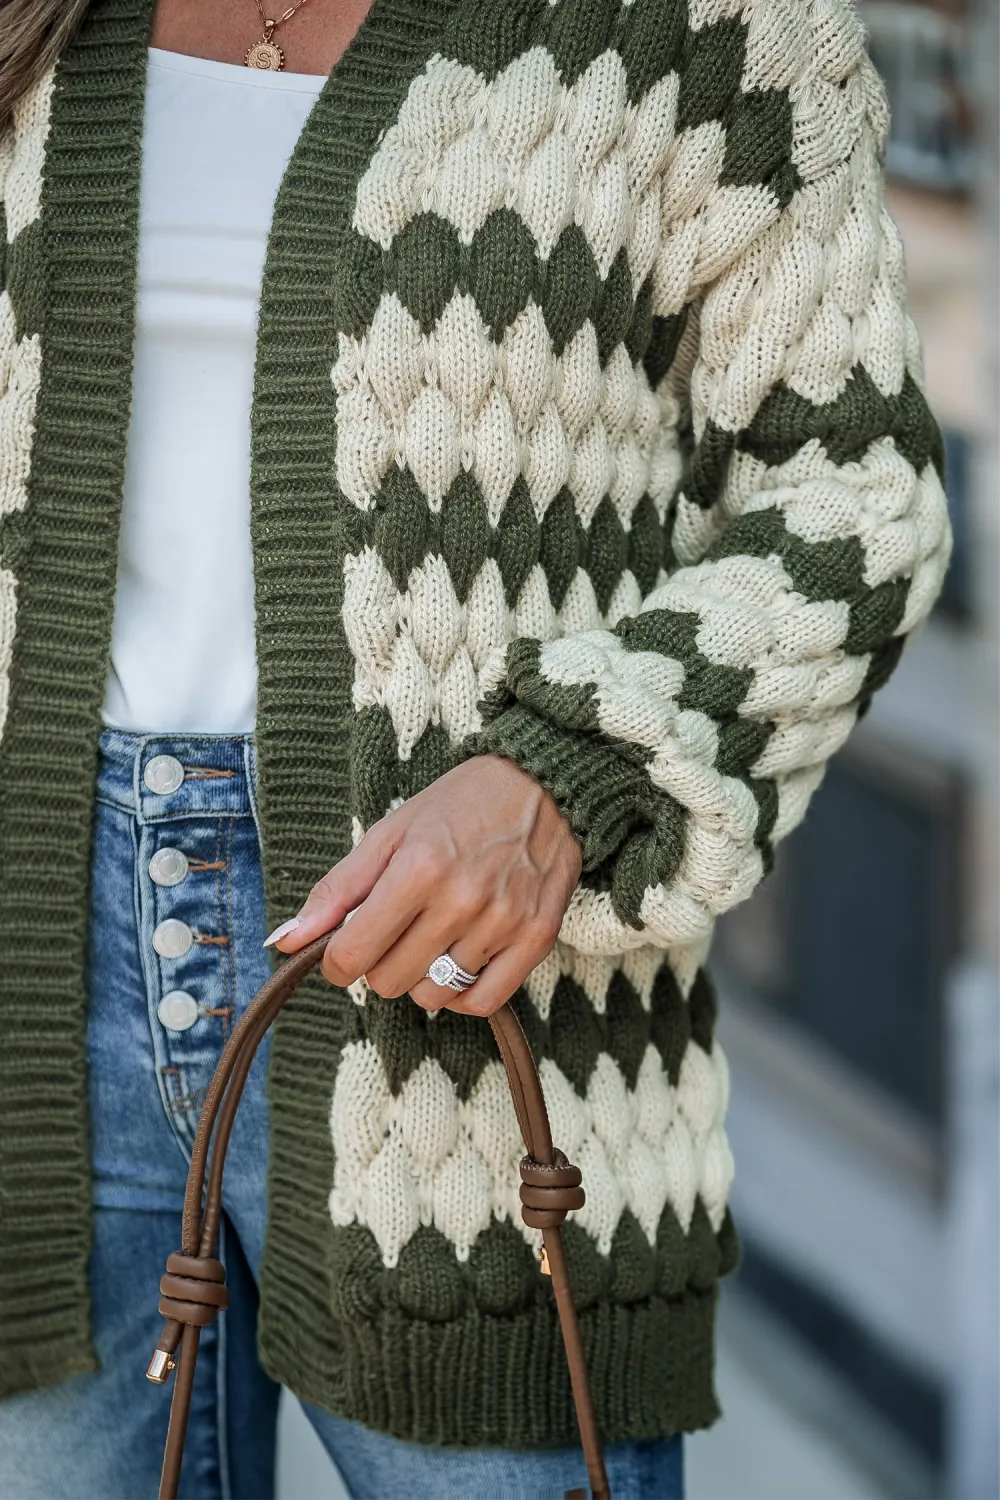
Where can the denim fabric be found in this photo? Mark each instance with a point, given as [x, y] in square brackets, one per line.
[100, 1437]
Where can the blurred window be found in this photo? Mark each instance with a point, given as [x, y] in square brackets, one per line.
[956, 597]
[853, 935]
[923, 57]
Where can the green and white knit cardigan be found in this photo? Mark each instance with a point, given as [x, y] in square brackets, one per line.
[588, 429]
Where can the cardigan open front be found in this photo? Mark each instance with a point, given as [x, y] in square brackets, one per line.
[588, 430]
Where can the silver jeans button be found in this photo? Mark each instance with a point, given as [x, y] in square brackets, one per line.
[168, 866]
[172, 939]
[163, 774]
[178, 1010]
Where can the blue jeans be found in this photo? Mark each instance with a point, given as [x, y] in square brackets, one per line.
[176, 930]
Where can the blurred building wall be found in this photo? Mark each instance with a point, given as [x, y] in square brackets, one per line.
[860, 987]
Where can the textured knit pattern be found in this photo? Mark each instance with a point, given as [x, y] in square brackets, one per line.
[425, 1154]
[630, 429]
[588, 430]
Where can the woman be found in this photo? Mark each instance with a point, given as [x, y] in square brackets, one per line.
[587, 495]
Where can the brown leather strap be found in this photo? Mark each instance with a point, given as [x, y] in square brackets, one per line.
[193, 1289]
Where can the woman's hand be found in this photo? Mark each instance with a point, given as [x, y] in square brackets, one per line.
[481, 865]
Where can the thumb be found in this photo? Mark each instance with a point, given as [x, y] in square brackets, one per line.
[333, 898]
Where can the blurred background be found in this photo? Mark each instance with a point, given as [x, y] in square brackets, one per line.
[860, 1341]
[860, 987]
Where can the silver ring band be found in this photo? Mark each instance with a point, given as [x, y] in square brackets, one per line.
[449, 975]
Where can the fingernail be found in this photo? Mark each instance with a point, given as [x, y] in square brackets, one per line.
[282, 931]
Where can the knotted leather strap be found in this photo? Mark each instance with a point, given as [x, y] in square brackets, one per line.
[193, 1289]
[548, 1194]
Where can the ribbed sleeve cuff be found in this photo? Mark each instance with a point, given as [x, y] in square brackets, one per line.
[604, 798]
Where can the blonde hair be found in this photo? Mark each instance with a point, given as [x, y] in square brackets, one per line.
[32, 34]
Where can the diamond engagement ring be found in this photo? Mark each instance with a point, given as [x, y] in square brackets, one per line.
[450, 975]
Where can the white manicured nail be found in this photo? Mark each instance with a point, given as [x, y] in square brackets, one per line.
[282, 931]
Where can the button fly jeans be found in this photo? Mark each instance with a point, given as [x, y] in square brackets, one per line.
[176, 930]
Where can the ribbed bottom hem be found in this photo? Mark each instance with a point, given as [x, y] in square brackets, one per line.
[50, 1363]
[483, 1381]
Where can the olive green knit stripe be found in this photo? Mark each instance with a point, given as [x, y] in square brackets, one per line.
[710, 69]
[574, 1034]
[25, 279]
[404, 532]
[647, 34]
[379, 777]
[651, 43]
[661, 347]
[707, 465]
[66, 587]
[404, 1038]
[759, 143]
[884, 661]
[709, 687]
[487, 37]
[758, 148]
[576, 34]
[848, 426]
[303, 660]
[827, 570]
[653, 38]
[561, 546]
[501, 268]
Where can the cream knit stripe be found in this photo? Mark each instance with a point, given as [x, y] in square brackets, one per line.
[22, 159]
[463, 147]
[454, 399]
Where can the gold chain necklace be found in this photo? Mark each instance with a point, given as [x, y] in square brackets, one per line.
[265, 53]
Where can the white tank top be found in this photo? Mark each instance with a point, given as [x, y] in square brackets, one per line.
[216, 142]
